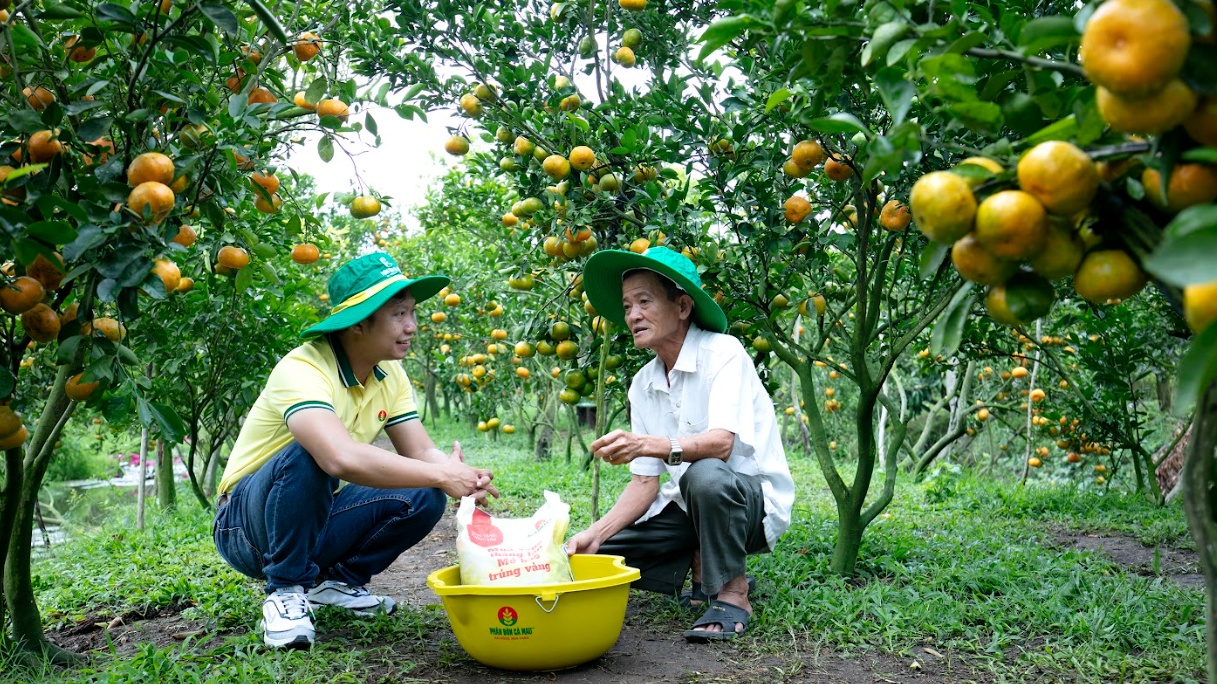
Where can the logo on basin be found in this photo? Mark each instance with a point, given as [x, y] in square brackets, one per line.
[508, 616]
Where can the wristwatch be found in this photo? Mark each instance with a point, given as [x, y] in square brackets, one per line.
[677, 455]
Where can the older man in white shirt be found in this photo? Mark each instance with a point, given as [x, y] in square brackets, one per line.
[698, 412]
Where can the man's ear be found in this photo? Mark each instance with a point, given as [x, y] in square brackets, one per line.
[686, 306]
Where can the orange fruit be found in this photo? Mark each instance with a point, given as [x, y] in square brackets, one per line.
[271, 207]
[335, 108]
[267, 181]
[797, 208]
[306, 46]
[633, 5]
[41, 323]
[261, 96]
[556, 166]
[1200, 305]
[640, 245]
[1202, 124]
[301, 101]
[793, 170]
[112, 329]
[44, 147]
[457, 146]
[233, 257]
[1108, 274]
[1149, 114]
[185, 236]
[186, 284]
[982, 415]
[1060, 175]
[365, 206]
[10, 421]
[305, 253]
[439, 317]
[14, 440]
[153, 199]
[559, 331]
[1133, 47]
[38, 97]
[838, 170]
[1018, 372]
[566, 350]
[582, 158]
[169, 273]
[150, 167]
[1037, 395]
[44, 271]
[510, 219]
[77, 389]
[1012, 225]
[1060, 255]
[943, 206]
[807, 154]
[79, 53]
[471, 105]
[624, 56]
[1034, 462]
[895, 216]
[1190, 184]
[979, 265]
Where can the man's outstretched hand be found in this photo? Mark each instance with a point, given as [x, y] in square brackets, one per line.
[462, 480]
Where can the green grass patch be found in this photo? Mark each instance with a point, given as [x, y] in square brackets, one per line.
[967, 567]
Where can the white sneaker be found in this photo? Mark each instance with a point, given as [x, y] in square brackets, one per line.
[285, 619]
[355, 599]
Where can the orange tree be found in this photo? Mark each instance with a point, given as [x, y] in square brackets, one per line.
[141, 148]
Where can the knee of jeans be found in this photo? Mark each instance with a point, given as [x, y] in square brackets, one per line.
[431, 505]
[704, 478]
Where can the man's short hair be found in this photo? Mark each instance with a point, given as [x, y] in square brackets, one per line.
[670, 288]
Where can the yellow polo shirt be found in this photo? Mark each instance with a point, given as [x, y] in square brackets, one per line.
[317, 374]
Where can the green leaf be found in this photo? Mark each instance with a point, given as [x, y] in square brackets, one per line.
[370, 124]
[222, 17]
[899, 50]
[1057, 130]
[170, 423]
[722, 32]
[24, 171]
[54, 232]
[94, 128]
[948, 332]
[931, 258]
[841, 122]
[1203, 155]
[325, 148]
[776, 98]
[263, 250]
[272, 22]
[116, 14]
[1047, 32]
[884, 36]
[1185, 255]
[979, 116]
[897, 93]
[8, 382]
[967, 42]
[59, 12]
[244, 277]
[126, 355]
[1197, 369]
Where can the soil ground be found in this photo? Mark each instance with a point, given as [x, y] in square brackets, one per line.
[650, 648]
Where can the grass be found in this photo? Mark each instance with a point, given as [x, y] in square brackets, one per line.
[967, 567]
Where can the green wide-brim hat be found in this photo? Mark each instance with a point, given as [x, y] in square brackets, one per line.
[602, 283]
[362, 285]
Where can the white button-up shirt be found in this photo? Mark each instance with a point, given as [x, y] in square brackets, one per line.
[713, 386]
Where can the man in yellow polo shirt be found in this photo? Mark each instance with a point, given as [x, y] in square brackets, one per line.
[284, 514]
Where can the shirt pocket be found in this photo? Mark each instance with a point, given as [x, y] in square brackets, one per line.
[694, 418]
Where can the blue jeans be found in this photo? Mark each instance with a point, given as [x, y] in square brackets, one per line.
[285, 523]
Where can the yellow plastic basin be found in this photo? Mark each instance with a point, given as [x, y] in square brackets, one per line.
[542, 627]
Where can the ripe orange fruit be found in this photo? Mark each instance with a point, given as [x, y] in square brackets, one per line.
[1037, 395]
[152, 199]
[14, 440]
[78, 390]
[1202, 124]
[582, 158]
[979, 265]
[1060, 256]
[1190, 184]
[79, 53]
[1034, 462]
[807, 155]
[895, 216]
[150, 167]
[797, 208]
[261, 96]
[267, 181]
[301, 101]
[1149, 114]
[566, 350]
[559, 331]
[982, 415]
[457, 146]
[306, 46]
[633, 5]
[1060, 175]
[335, 108]
[1133, 47]
[640, 245]
[452, 299]
[838, 170]
[1012, 225]
[10, 421]
[365, 206]
[1200, 305]
[793, 170]
[1018, 372]
[186, 284]
[439, 317]
[41, 323]
[44, 147]
[556, 166]
[185, 236]
[233, 257]
[44, 271]
[305, 253]
[625, 57]
[169, 274]
[943, 206]
[1108, 274]
[271, 207]
[38, 97]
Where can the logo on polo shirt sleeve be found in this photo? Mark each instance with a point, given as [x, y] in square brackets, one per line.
[382, 415]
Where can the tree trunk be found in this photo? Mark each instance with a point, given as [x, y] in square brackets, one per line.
[849, 538]
[166, 486]
[549, 413]
[1200, 489]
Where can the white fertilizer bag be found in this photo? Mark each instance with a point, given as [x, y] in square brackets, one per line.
[513, 552]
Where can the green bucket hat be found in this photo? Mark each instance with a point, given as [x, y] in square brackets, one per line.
[362, 285]
[602, 283]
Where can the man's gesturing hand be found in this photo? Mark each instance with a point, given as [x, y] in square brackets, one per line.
[462, 480]
[620, 447]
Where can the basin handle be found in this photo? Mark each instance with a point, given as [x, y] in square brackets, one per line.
[548, 597]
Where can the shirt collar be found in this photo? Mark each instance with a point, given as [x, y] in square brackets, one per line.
[345, 373]
[686, 361]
